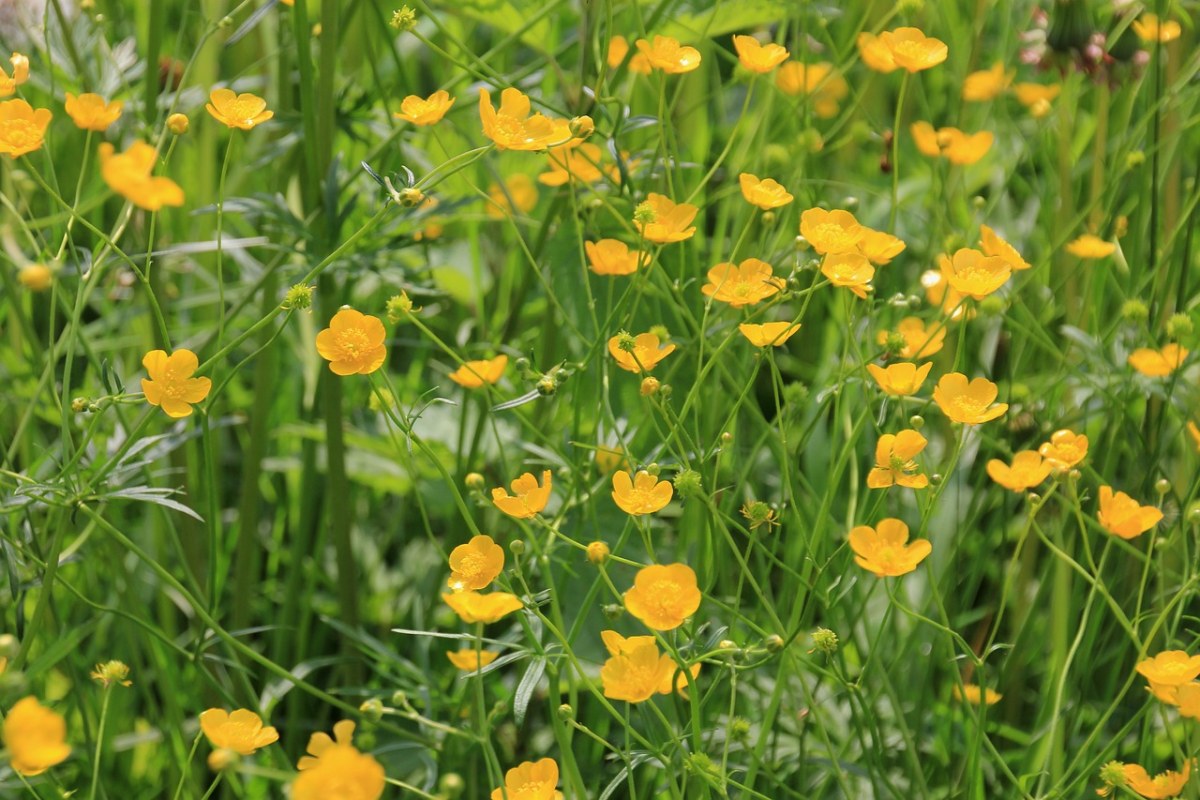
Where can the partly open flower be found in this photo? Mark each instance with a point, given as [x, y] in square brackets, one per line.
[475, 564]
[748, 283]
[1170, 668]
[425, 110]
[992, 245]
[531, 780]
[528, 497]
[894, 461]
[1090, 246]
[1163, 785]
[1158, 363]
[973, 694]
[171, 385]
[353, 343]
[664, 221]
[241, 731]
[91, 112]
[1065, 449]
[900, 379]
[1026, 471]
[831, 232]
[668, 55]
[513, 127]
[663, 596]
[20, 74]
[1037, 97]
[471, 660]
[768, 334]
[643, 356]
[1123, 516]
[35, 737]
[473, 607]
[764, 193]
[824, 86]
[578, 162]
[987, 84]
[880, 247]
[128, 174]
[973, 274]
[920, 341]
[242, 111]
[912, 50]
[643, 494]
[22, 128]
[967, 402]
[336, 768]
[885, 550]
[758, 57]
[850, 271]
[1149, 28]
[474, 374]
[614, 257]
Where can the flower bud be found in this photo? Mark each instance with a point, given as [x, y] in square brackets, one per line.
[400, 307]
[474, 481]
[825, 640]
[372, 709]
[774, 643]
[298, 297]
[687, 483]
[222, 759]
[597, 552]
[1179, 326]
[739, 729]
[451, 785]
[916, 421]
[768, 218]
[80, 404]
[582, 127]
[516, 547]
[411, 197]
[1162, 486]
[35, 277]
[178, 124]
[1134, 311]
[612, 611]
[565, 712]
[403, 19]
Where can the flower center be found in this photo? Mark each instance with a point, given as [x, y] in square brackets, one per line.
[353, 342]
[21, 132]
[243, 112]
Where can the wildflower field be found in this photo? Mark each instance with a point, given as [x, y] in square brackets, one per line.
[599, 400]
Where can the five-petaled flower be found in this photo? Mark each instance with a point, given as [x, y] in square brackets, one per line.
[745, 284]
[765, 193]
[35, 737]
[831, 232]
[850, 271]
[91, 112]
[242, 111]
[1065, 449]
[334, 767]
[636, 671]
[128, 174]
[642, 494]
[663, 221]
[171, 385]
[530, 780]
[1158, 363]
[514, 127]
[972, 274]
[1027, 470]
[475, 564]
[968, 402]
[614, 257]
[900, 379]
[885, 550]
[663, 596]
[241, 732]
[644, 354]
[425, 111]
[22, 127]
[758, 57]
[527, 498]
[353, 344]
[668, 55]
[1123, 516]
[894, 461]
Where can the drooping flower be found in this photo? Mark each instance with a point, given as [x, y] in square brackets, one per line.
[1065, 449]
[951, 143]
[471, 660]
[91, 112]
[824, 86]
[353, 344]
[20, 74]
[618, 48]
[527, 499]
[1123, 516]
[758, 57]
[920, 341]
[879, 247]
[973, 274]
[764, 193]
[128, 174]
[748, 283]
[513, 127]
[912, 50]
[243, 111]
[531, 780]
[968, 402]
[614, 257]
[336, 768]
[1026, 471]
[768, 334]
[992, 245]
[1037, 97]
[578, 162]
[900, 379]
[22, 128]
[1090, 246]
[473, 607]
[663, 596]
[885, 550]
[849, 271]
[1170, 668]
[425, 111]
[35, 737]
[1149, 28]
[643, 494]
[894, 461]
[986, 84]
[475, 564]
[1158, 363]
[241, 731]
[171, 385]
[518, 193]
[1163, 785]
[474, 374]
[667, 54]
[975, 695]
[643, 355]
[664, 221]
[831, 232]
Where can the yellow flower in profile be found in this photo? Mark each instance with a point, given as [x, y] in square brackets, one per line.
[1163, 785]
[518, 194]
[663, 220]
[1149, 28]
[335, 768]
[894, 461]
[885, 550]
[425, 111]
[642, 494]
[1026, 471]
[614, 257]
[475, 564]
[635, 670]
[831, 232]
[645, 354]
[618, 48]
[987, 84]
[91, 112]
[35, 737]
[971, 273]
[951, 143]
[746, 284]
[919, 341]
[579, 162]
[973, 694]
[849, 271]
[912, 50]
[758, 57]
[474, 374]
[824, 86]
[768, 334]
[128, 174]
[992, 245]
[471, 660]
[875, 54]
[513, 127]
[353, 344]
[1065, 449]
[663, 596]
[1170, 668]
[531, 780]
[900, 379]
[20, 74]
[668, 55]
[473, 607]
[241, 731]
[1090, 246]
[242, 111]
[22, 128]
[1037, 97]
[171, 385]
[967, 402]
[1123, 516]
[764, 193]
[1158, 363]
[527, 498]
[878, 247]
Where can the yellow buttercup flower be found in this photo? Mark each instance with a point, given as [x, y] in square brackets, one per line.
[171, 385]
[824, 86]
[1026, 471]
[335, 768]
[992, 245]
[636, 671]
[474, 374]
[1123, 516]
[473, 607]
[1037, 97]
[614, 257]
[664, 221]
[1163, 785]
[850, 271]
[513, 127]
[242, 111]
[971, 273]
[475, 564]
[22, 128]
[1170, 668]
[35, 737]
[968, 402]
[578, 162]
[912, 50]
[618, 48]
[471, 660]
[527, 499]
[642, 494]
[986, 84]
[20, 74]
[425, 111]
[894, 461]
[128, 174]
[643, 356]
[91, 112]
[667, 54]
[919, 340]
[973, 694]
[1158, 363]
[758, 57]
[241, 731]
[951, 143]
[1090, 246]
[111, 673]
[885, 550]
[531, 780]
[875, 54]
[748, 283]
[353, 344]
[35, 277]
[831, 232]
[878, 247]
[768, 334]
[1149, 28]
[663, 596]
[900, 379]
[764, 193]
[1065, 449]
